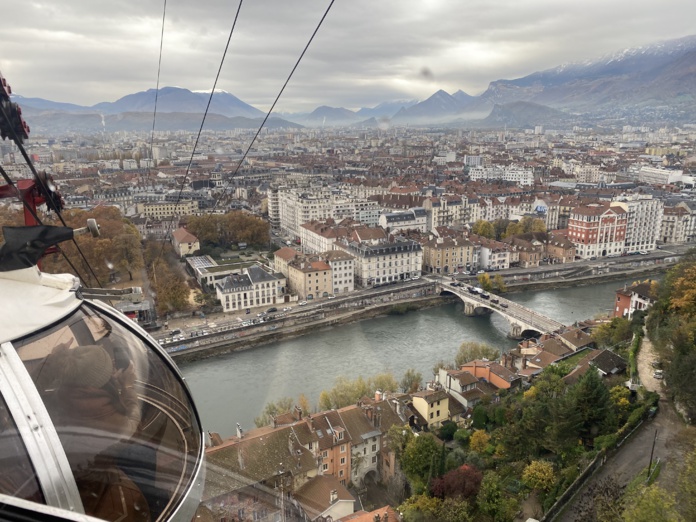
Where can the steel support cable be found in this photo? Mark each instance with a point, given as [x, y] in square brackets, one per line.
[38, 220]
[159, 68]
[268, 114]
[200, 130]
[45, 189]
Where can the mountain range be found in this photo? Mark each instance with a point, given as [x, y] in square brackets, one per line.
[655, 81]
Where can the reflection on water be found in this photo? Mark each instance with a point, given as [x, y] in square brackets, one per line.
[234, 388]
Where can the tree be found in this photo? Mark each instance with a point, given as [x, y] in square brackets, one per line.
[442, 364]
[471, 351]
[539, 475]
[411, 381]
[272, 409]
[454, 510]
[479, 417]
[593, 403]
[491, 499]
[347, 391]
[485, 282]
[686, 487]
[420, 508]
[419, 460]
[447, 431]
[683, 294]
[514, 229]
[463, 482]
[651, 504]
[398, 438]
[483, 228]
[129, 252]
[479, 441]
[615, 332]
[499, 284]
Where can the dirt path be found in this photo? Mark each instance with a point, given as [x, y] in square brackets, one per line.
[673, 439]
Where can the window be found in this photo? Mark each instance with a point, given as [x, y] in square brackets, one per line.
[324, 467]
[343, 448]
[374, 447]
[343, 461]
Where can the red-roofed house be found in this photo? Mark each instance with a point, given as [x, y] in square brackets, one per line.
[184, 242]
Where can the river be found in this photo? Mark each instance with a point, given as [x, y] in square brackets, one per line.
[234, 388]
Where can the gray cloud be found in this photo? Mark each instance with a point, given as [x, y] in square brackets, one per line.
[366, 52]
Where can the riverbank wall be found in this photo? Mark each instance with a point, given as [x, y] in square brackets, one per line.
[227, 342]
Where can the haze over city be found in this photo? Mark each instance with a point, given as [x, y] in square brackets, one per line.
[365, 53]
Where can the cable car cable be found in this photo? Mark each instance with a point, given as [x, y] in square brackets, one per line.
[154, 114]
[268, 114]
[200, 130]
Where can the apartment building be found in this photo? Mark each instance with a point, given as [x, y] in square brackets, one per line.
[412, 219]
[597, 230]
[380, 262]
[447, 255]
[675, 225]
[342, 270]
[643, 221]
[310, 278]
[254, 288]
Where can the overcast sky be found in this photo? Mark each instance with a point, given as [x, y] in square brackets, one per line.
[366, 52]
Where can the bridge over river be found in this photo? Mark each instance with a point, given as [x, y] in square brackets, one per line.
[523, 321]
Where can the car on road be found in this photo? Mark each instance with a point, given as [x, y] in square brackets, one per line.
[480, 272]
[271, 309]
[287, 309]
[503, 305]
[658, 374]
[260, 314]
[415, 277]
[303, 303]
[332, 296]
[643, 253]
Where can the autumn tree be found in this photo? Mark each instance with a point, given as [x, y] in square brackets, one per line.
[272, 409]
[479, 441]
[483, 228]
[347, 391]
[463, 482]
[485, 282]
[539, 475]
[471, 350]
[499, 284]
[651, 504]
[398, 438]
[686, 487]
[411, 381]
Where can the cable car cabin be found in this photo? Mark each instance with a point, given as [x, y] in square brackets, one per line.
[95, 417]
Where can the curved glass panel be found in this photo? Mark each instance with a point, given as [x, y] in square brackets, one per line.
[122, 413]
[17, 475]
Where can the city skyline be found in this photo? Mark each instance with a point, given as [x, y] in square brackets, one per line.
[364, 54]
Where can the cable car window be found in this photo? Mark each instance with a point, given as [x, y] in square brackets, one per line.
[17, 475]
[122, 414]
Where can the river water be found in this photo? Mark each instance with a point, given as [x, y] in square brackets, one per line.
[234, 388]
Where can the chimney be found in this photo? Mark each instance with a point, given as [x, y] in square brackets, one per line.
[273, 421]
[378, 395]
[239, 431]
[298, 413]
[333, 496]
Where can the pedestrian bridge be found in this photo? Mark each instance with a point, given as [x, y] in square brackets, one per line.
[523, 321]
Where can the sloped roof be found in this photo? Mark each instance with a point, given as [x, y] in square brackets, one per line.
[315, 494]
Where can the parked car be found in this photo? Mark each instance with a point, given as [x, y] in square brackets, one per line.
[332, 296]
[260, 314]
[503, 305]
[287, 309]
[658, 374]
[303, 303]
[271, 309]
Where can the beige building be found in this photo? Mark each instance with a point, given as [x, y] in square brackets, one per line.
[447, 255]
[433, 406]
[184, 207]
[310, 279]
[342, 271]
[184, 242]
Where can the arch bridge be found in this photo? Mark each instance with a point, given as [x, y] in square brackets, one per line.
[520, 318]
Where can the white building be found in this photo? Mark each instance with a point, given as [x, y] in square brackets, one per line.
[644, 220]
[252, 289]
[659, 176]
[518, 175]
[412, 219]
[384, 262]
